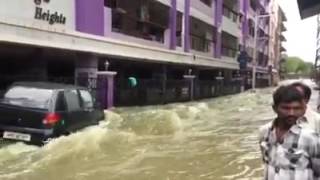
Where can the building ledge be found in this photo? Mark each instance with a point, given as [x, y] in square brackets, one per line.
[81, 42]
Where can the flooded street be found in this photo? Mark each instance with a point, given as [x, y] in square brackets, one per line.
[210, 139]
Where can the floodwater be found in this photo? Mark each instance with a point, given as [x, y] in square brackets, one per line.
[210, 139]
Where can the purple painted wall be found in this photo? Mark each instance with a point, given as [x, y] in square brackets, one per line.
[187, 25]
[218, 25]
[105, 90]
[173, 24]
[90, 16]
[110, 91]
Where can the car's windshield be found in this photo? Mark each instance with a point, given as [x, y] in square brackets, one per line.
[28, 97]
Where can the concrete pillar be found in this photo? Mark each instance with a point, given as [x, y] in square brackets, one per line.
[218, 24]
[220, 82]
[191, 79]
[245, 22]
[187, 26]
[227, 75]
[196, 72]
[38, 65]
[107, 21]
[164, 83]
[173, 24]
[86, 70]
[167, 38]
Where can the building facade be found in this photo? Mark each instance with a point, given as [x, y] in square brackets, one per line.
[174, 49]
[276, 40]
[316, 74]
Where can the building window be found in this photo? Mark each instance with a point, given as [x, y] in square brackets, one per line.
[230, 13]
[207, 2]
[251, 31]
[228, 51]
[179, 38]
[179, 29]
[199, 43]
[110, 3]
[86, 99]
[251, 28]
[201, 35]
[140, 19]
[253, 4]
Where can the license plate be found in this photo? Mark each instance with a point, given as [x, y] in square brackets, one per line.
[16, 136]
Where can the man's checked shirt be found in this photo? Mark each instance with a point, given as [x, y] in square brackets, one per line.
[297, 158]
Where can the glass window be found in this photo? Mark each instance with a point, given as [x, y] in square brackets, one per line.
[29, 97]
[87, 99]
[72, 98]
[207, 2]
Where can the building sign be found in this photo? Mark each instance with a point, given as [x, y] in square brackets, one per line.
[47, 15]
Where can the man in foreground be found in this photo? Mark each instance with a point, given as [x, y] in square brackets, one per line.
[289, 151]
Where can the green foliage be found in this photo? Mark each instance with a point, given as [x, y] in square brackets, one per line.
[295, 65]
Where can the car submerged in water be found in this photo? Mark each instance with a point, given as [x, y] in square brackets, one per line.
[36, 112]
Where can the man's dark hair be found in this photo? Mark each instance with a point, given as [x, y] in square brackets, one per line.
[306, 89]
[287, 94]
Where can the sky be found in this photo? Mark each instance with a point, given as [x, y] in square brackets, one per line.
[300, 34]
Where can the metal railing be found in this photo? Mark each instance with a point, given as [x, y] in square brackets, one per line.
[139, 28]
[230, 13]
[207, 2]
[155, 91]
[151, 91]
[199, 43]
[209, 89]
[229, 52]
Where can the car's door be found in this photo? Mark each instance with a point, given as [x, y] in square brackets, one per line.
[62, 110]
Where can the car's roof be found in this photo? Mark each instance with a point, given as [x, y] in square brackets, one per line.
[47, 85]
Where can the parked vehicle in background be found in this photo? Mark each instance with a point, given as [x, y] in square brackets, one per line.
[35, 112]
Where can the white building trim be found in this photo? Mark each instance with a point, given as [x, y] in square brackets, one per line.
[76, 41]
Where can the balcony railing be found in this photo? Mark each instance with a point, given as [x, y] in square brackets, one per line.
[230, 13]
[199, 43]
[207, 2]
[229, 52]
[133, 26]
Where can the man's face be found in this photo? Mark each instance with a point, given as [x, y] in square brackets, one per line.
[290, 112]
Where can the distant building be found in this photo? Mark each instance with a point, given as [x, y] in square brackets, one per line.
[276, 48]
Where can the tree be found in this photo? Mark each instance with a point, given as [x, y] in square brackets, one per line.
[295, 65]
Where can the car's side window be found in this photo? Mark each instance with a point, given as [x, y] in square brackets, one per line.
[73, 101]
[61, 102]
[86, 99]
